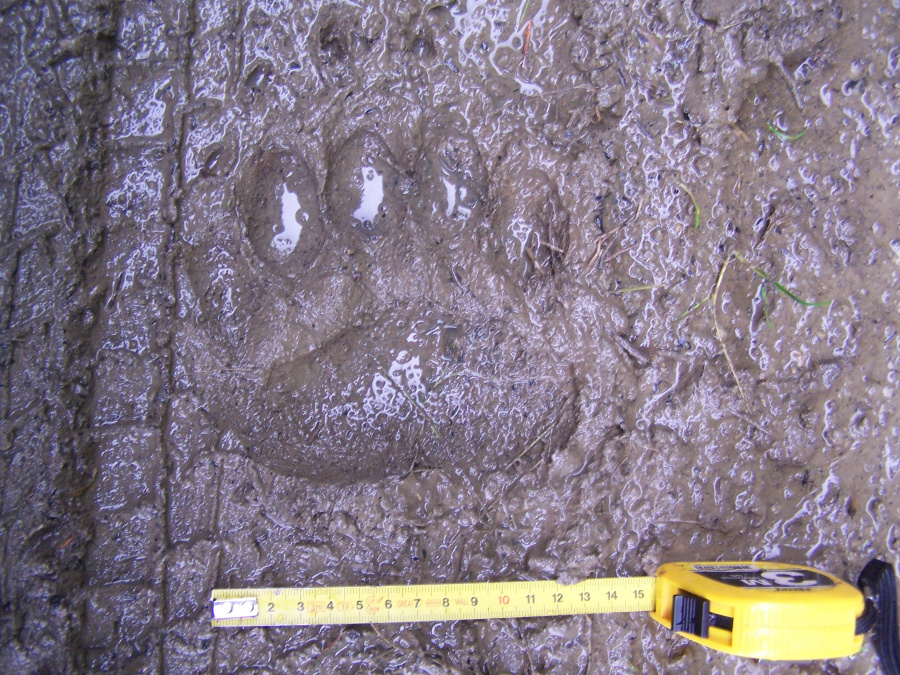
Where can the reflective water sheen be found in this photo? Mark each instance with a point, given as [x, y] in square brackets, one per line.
[372, 293]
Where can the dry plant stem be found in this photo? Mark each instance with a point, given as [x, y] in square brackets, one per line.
[790, 84]
[599, 248]
[630, 349]
[390, 644]
[715, 296]
[623, 251]
[330, 645]
[599, 251]
[541, 437]
[552, 247]
[537, 266]
[512, 484]
[694, 204]
[548, 429]
[80, 491]
[631, 289]
[748, 421]
[740, 132]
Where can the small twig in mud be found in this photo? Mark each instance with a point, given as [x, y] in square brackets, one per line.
[715, 295]
[694, 202]
[590, 638]
[117, 285]
[596, 256]
[526, 42]
[66, 543]
[540, 437]
[782, 135]
[489, 507]
[768, 215]
[80, 491]
[525, 650]
[610, 237]
[548, 428]
[413, 402]
[697, 523]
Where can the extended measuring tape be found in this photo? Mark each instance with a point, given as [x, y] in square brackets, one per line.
[761, 610]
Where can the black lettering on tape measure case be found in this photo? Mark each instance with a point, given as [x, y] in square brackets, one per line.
[743, 576]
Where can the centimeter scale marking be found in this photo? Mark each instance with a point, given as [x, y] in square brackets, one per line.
[243, 607]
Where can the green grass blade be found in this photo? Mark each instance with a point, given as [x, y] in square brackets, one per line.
[696, 305]
[805, 303]
[524, 11]
[631, 289]
[694, 202]
[765, 301]
[762, 275]
[783, 136]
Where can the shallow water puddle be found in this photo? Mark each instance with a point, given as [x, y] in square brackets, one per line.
[372, 196]
[456, 198]
[286, 240]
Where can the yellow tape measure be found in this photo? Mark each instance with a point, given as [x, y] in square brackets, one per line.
[440, 602]
[765, 610]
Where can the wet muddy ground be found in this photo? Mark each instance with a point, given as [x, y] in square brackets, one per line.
[338, 293]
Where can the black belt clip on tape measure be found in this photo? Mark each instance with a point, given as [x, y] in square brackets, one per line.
[877, 579]
[780, 612]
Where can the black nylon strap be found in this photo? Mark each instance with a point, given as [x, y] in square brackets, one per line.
[877, 578]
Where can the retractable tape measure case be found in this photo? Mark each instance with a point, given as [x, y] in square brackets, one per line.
[769, 611]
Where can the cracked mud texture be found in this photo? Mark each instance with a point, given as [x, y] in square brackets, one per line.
[320, 293]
